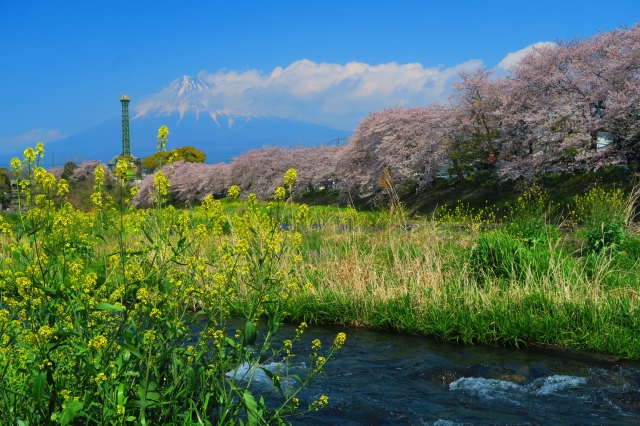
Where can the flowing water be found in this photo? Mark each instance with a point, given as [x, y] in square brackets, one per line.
[390, 379]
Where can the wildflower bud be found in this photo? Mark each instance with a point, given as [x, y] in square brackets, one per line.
[290, 177]
[279, 194]
[339, 340]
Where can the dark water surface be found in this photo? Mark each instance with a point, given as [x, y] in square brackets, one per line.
[390, 379]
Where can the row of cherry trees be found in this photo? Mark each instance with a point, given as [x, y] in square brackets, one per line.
[259, 171]
[549, 115]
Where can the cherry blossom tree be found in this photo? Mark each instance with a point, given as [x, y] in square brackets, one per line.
[190, 183]
[261, 170]
[561, 100]
[474, 125]
[408, 142]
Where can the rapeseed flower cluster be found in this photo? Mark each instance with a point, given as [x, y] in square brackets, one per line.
[279, 194]
[234, 191]
[102, 308]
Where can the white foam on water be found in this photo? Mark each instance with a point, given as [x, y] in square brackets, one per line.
[555, 384]
[487, 388]
[441, 422]
[490, 389]
[244, 371]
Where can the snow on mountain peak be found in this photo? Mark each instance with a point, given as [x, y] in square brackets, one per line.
[187, 95]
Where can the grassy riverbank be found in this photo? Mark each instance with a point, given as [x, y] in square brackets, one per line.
[425, 281]
[470, 277]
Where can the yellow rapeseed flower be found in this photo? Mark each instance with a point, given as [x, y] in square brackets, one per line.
[98, 174]
[101, 378]
[339, 340]
[99, 343]
[63, 188]
[279, 194]
[233, 192]
[161, 183]
[16, 166]
[163, 133]
[29, 157]
[316, 344]
[290, 177]
[122, 168]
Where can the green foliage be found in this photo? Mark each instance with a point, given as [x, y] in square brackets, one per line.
[498, 255]
[526, 218]
[517, 281]
[602, 216]
[610, 233]
[68, 169]
[187, 153]
[118, 317]
[5, 182]
[471, 156]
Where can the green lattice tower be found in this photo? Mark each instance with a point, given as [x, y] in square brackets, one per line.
[126, 142]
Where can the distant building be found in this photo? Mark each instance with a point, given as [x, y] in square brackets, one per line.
[604, 141]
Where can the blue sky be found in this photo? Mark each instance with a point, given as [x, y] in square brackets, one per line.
[63, 65]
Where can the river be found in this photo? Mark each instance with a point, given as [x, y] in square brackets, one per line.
[390, 379]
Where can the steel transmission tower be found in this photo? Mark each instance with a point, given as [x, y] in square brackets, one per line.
[126, 142]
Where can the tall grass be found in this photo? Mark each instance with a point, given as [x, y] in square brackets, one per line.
[515, 285]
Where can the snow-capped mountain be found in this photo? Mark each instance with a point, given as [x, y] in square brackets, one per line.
[189, 95]
[195, 115]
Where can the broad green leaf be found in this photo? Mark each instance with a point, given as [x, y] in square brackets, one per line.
[131, 349]
[138, 404]
[120, 394]
[274, 324]
[271, 377]
[103, 306]
[191, 379]
[296, 378]
[70, 412]
[252, 408]
[250, 333]
[38, 386]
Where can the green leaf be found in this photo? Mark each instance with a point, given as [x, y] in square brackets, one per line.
[296, 378]
[70, 412]
[252, 408]
[120, 394]
[250, 333]
[103, 306]
[131, 349]
[191, 379]
[273, 323]
[38, 386]
[271, 377]
[51, 291]
[138, 404]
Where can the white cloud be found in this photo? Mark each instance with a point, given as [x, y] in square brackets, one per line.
[512, 58]
[332, 94]
[337, 95]
[30, 138]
